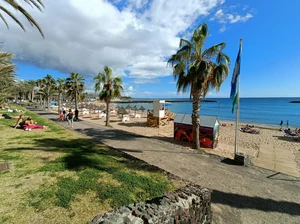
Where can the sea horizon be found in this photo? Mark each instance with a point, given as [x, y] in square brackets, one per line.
[267, 111]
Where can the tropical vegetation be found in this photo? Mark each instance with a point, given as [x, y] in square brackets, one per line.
[75, 86]
[199, 70]
[7, 75]
[110, 87]
[17, 6]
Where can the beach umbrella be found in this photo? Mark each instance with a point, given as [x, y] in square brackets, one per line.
[122, 111]
[128, 107]
[102, 107]
[135, 108]
[118, 107]
[142, 108]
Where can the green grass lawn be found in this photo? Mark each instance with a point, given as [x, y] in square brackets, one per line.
[60, 176]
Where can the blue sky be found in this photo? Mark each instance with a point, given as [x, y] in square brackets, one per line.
[136, 37]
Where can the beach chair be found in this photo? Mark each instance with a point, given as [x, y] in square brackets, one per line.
[125, 118]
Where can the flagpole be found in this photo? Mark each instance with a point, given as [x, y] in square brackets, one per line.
[237, 109]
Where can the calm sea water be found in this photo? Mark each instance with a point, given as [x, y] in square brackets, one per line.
[267, 111]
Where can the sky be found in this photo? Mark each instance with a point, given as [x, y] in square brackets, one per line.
[136, 37]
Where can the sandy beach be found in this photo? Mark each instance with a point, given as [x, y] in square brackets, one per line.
[248, 143]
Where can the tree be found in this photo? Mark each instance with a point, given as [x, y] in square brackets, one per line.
[109, 88]
[48, 89]
[39, 84]
[31, 85]
[199, 71]
[7, 76]
[15, 5]
[60, 90]
[47, 92]
[74, 85]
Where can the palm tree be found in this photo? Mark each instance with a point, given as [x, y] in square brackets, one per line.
[39, 84]
[31, 84]
[48, 89]
[47, 92]
[74, 85]
[15, 5]
[7, 75]
[199, 70]
[60, 90]
[109, 88]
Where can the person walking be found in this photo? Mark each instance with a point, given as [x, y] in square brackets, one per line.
[287, 124]
[64, 114]
[281, 123]
[70, 118]
[61, 116]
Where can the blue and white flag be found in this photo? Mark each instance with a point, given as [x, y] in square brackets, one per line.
[234, 93]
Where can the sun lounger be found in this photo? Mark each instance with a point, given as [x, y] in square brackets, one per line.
[125, 118]
[102, 115]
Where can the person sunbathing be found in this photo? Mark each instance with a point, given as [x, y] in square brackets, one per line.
[30, 124]
[20, 121]
[6, 116]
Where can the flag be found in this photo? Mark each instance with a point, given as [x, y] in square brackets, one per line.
[234, 93]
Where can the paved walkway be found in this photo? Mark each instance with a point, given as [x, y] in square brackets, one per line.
[239, 194]
[278, 159]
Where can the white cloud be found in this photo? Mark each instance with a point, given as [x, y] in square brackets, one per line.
[224, 18]
[83, 36]
[222, 29]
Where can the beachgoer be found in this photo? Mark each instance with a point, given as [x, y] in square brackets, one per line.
[70, 118]
[20, 121]
[61, 116]
[30, 124]
[287, 124]
[281, 123]
[64, 114]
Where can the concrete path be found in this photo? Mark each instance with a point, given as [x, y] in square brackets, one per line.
[278, 159]
[239, 194]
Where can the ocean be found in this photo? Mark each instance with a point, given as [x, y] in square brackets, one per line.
[264, 111]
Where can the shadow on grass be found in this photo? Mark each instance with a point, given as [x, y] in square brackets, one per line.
[83, 153]
[256, 203]
[87, 158]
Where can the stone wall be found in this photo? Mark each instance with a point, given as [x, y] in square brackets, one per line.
[191, 204]
[6, 166]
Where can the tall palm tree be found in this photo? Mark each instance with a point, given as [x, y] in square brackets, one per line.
[199, 70]
[109, 88]
[74, 85]
[39, 84]
[47, 92]
[15, 5]
[7, 75]
[48, 89]
[31, 84]
[60, 90]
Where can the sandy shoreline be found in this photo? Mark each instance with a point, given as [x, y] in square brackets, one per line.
[248, 143]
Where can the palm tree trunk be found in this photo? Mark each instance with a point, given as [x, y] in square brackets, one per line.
[107, 113]
[32, 95]
[59, 102]
[76, 106]
[49, 106]
[44, 102]
[196, 121]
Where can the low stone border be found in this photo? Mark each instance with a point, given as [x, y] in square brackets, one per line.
[191, 204]
[6, 166]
